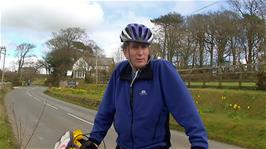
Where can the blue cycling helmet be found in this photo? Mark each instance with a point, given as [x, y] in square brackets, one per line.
[136, 33]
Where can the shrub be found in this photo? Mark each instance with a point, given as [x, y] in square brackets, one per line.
[261, 82]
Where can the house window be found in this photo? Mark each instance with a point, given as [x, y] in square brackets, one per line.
[81, 75]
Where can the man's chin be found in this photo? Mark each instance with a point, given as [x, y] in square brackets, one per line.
[140, 66]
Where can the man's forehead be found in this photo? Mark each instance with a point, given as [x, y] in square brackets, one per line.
[138, 44]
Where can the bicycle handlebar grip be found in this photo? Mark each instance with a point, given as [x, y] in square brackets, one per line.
[88, 145]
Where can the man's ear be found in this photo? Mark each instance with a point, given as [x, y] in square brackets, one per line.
[126, 54]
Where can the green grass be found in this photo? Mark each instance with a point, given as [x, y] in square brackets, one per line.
[89, 97]
[38, 81]
[252, 103]
[243, 131]
[93, 92]
[232, 116]
[244, 124]
[7, 139]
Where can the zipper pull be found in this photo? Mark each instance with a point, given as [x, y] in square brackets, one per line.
[134, 78]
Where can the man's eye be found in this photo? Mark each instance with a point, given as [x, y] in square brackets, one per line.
[144, 46]
[139, 46]
[135, 47]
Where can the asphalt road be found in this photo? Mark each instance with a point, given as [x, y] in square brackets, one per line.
[24, 107]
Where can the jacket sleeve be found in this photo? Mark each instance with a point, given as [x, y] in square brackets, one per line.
[105, 114]
[181, 105]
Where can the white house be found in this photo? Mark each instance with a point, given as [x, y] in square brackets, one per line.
[86, 64]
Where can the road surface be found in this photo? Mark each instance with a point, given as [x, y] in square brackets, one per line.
[24, 107]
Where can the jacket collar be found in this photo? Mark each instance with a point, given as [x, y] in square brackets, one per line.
[145, 74]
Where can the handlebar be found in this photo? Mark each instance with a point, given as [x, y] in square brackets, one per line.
[75, 140]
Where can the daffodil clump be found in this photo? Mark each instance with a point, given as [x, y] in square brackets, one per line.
[197, 99]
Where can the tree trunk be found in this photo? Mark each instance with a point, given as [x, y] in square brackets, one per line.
[233, 49]
[164, 43]
[201, 51]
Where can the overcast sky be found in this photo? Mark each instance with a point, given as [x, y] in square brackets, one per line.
[33, 21]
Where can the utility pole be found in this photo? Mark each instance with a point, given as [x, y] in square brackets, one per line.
[3, 70]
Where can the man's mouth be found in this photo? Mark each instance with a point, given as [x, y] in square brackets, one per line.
[140, 60]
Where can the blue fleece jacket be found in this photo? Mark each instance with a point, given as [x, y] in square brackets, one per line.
[140, 109]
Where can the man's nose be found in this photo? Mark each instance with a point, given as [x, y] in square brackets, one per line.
[140, 51]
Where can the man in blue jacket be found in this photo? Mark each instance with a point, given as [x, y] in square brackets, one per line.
[139, 97]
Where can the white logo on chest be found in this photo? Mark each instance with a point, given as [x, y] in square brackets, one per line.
[143, 93]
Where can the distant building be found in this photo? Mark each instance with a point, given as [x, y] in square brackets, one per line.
[87, 65]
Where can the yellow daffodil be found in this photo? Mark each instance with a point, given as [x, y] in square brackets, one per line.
[223, 98]
[235, 106]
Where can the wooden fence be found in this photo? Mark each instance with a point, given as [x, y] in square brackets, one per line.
[220, 74]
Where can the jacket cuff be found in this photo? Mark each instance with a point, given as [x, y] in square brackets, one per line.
[94, 141]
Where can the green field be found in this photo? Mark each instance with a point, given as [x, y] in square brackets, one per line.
[232, 116]
[7, 139]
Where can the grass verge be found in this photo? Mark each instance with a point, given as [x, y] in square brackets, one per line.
[232, 116]
[7, 139]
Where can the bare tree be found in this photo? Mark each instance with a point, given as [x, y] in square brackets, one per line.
[223, 33]
[96, 50]
[252, 37]
[187, 48]
[251, 7]
[169, 25]
[65, 37]
[118, 55]
[198, 27]
[22, 52]
[156, 50]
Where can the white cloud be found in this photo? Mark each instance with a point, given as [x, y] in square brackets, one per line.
[108, 35]
[51, 15]
[33, 21]
[10, 62]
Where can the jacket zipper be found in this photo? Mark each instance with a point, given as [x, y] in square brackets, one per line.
[132, 120]
[131, 106]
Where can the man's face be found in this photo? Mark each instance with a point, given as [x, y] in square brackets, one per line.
[138, 54]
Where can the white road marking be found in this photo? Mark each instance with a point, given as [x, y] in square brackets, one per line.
[28, 93]
[37, 99]
[45, 102]
[80, 119]
[51, 106]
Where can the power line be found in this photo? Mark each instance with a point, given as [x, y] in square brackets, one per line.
[214, 3]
